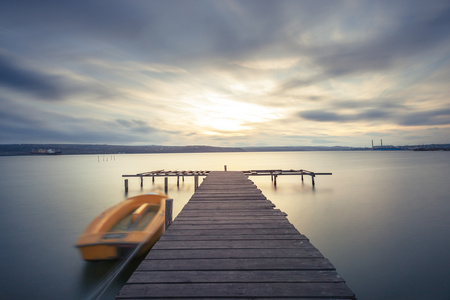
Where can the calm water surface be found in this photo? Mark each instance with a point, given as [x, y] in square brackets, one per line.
[382, 218]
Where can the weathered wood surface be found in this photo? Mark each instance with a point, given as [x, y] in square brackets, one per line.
[229, 242]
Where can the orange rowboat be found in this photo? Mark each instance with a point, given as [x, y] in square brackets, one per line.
[137, 222]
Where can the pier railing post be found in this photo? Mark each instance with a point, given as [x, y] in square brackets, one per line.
[195, 182]
[166, 184]
[168, 216]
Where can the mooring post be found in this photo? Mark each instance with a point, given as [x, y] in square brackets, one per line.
[312, 176]
[153, 178]
[166, 184]
[195, 182]
[271, 176]
[126, 185]
[178, 180]
[142, 181]
[225, 167]
[169, 208]
[275, 180]
[301, 172]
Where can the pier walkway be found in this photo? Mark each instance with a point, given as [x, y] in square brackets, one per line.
[230, 242]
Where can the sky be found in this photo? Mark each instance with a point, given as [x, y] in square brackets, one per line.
[225, 73]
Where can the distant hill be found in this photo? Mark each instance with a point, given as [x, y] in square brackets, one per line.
[67, 149]
[29, 149]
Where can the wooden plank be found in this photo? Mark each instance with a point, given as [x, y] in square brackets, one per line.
[213, 212]
[179, 230]
[305, 250]
[194, 264]
[234, 276]
[266, 237]
[236, 244]
[226, 227]
[231, 218]
[249, 290]
[221, 205]
[225, 221]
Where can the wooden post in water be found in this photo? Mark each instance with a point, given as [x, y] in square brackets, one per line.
[301, 172]
[225, 167]
[168, 217]
[166, 184]
[153, 178]
[312, 176]
[275, 180]
[142, 181]
[178, 180]
[126, 185]
[195, 182]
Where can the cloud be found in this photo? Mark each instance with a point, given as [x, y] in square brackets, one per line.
[324, 116]
[20, 78]
[399, 117]
[411, 40]
[430, 117]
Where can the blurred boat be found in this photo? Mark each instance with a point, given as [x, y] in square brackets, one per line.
[137, 222]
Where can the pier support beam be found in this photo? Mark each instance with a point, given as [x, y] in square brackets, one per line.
[126, 185]
[178, 180]
[142, 181]
[195, 182]
[312, 177]
[166, 184]
[169, 209]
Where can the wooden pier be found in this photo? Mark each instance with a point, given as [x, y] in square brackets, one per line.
[229, 242]
[181, 174]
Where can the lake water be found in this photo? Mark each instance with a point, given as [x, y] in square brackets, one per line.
[382, 218]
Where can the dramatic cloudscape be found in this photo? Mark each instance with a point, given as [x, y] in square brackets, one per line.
[225, 73]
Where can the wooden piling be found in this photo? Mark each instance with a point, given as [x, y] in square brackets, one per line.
[178, 180]
[166, 184]
[312, 177]
[126, 185]
[195, 182]
[225, 167]
[142, 181]
[169, 209]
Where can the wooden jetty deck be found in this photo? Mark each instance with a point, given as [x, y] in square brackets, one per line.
[229, 242]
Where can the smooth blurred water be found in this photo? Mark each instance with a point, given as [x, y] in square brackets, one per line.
[382, 218]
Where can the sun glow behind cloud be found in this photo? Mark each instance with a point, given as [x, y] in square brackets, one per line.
[219, 115]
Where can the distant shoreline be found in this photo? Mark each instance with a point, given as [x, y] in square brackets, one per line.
[75, 149]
